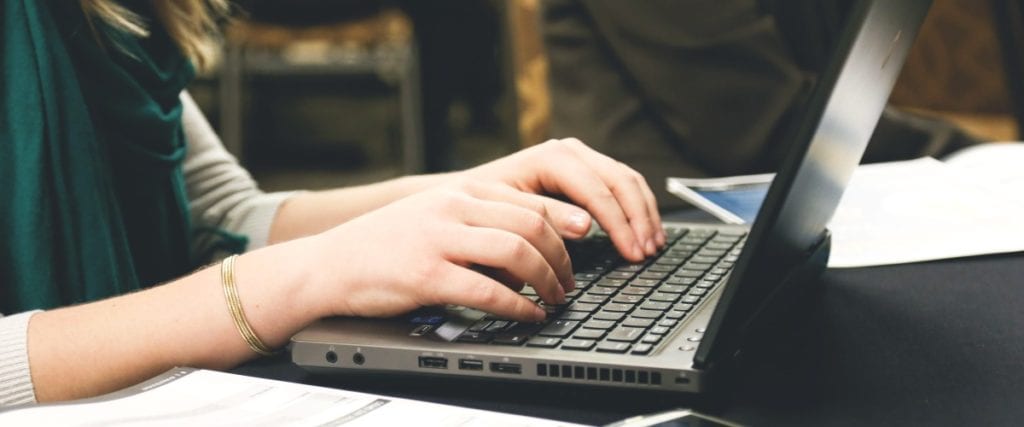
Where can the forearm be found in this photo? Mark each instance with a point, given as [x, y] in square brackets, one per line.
[99, 347]
[313, 212]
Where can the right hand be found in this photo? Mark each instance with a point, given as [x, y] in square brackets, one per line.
[430, 248]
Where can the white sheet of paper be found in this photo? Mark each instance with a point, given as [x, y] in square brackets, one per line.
[922, 210]
[209, 398]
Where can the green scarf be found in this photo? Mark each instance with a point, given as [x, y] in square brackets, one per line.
[93, 198]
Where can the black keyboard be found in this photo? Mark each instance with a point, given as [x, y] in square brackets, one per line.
[618, 307]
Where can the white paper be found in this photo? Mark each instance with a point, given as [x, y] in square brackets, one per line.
[209, 398]
[924, 209]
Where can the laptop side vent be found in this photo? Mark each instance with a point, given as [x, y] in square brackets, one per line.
[590, 373]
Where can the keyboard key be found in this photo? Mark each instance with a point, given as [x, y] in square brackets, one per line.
[690, 299]
[601, 291]
[668, 323]
[627, 299]
[644, 283]
[635, 290]
[683, 306]
[582, 306]
[661, 268]
[654, 275]
[623, 275]
[608, 315]
[718, 245]
[517, 335]
[713, 253]
[670, 261]
[635, 268]
[655, 305]
[642, 349]
[649, 339]
[599, 324]
[592, 299]
[697, 291]
[732, 232]
[613, 347]
[499, 325]
[480, 325]
[659, 330]
[706, 284]
[543, 342]
[610, 283]
[664, 297]
[625, 334]
[636, 322]
[647, 314]
[682, 281]
[704, 259]
[590, 334]
[675, 314]
[572, 315]
[673, 289]
[578, 344]
[618, 307]
[475, 337]
[559, 328]
[687, 272]
[586, 277]
[510, 339]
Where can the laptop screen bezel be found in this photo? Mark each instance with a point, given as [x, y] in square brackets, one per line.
[827, 144]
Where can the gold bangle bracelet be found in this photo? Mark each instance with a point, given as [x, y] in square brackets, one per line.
[227, 279]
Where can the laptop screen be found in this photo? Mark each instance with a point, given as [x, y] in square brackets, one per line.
[825, 148]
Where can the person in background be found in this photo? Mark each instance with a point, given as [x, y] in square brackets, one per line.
[116, 193]
[706, 87]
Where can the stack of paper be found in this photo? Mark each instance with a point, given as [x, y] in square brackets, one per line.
[924, 209]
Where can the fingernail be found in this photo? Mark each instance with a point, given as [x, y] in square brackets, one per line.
[539, 314]
[560, 296]
[579, 221]
[662, 238]
[651, 249]
[571, 286]
[637, 252]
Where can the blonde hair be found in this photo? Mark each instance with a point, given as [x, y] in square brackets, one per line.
[191, 24]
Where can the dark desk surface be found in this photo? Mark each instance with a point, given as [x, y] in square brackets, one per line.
[923, 344]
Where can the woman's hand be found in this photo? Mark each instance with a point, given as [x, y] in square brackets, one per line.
[615, 194]
[435, 247]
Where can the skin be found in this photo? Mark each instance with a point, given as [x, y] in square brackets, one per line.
[333, 255]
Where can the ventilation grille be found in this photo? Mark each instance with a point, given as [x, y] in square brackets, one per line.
[591, 373]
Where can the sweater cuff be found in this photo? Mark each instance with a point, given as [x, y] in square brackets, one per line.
[15, 377]
[259, 217]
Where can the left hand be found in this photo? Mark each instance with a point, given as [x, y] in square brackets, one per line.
[616, 195]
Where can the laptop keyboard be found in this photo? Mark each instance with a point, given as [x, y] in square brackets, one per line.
[618, 307]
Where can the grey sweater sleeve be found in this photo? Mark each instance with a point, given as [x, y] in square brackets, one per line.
[15, 377]
[222, 195]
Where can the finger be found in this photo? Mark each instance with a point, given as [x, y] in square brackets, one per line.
[468, 288]
[627, 186]
[584, 187]
[529, 225]
[570, 221]
[652, 206]
[497, 248]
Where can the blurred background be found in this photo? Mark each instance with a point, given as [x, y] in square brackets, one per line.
[323, 93]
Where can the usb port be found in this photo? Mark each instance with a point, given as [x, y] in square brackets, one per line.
[433, 362]
[506, 368]
[471, 364]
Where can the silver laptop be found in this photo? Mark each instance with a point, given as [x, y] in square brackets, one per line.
[668, 323]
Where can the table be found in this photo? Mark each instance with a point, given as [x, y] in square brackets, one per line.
[936, 343]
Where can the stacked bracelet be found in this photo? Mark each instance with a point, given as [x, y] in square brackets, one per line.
[227, 278]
